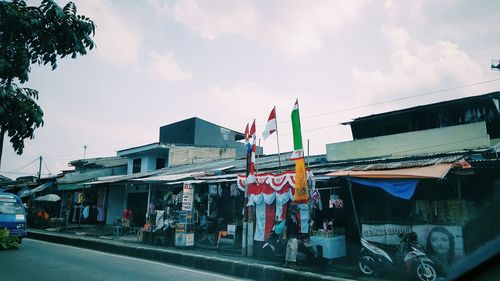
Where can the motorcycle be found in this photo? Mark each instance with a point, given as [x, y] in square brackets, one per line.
[409, 255]
[275, 248]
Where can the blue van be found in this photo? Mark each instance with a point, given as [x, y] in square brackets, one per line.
[12, 215]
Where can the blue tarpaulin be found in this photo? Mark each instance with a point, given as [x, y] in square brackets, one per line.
[396, 187]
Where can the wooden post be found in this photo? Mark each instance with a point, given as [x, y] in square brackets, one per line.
[349, 184]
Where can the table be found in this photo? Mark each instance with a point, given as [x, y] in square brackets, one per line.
[333, 247]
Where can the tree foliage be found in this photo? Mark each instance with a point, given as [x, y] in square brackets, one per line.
[34, 35]
[7, 242]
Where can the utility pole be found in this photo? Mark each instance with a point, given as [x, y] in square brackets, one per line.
[40, 168]
[83, 192]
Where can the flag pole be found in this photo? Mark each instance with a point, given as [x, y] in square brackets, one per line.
[257, 155]
[308, 159]
[245, 200]
[278, 141]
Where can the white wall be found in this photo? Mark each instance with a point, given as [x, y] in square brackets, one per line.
[446, 139]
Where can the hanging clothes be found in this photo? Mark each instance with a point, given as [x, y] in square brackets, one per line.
[234, 191]
[212, 189]
[101, 196]
[86, 211]
[75, 214]
[81, 198]
[100, 214]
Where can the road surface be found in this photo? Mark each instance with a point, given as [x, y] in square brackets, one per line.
[38, 260]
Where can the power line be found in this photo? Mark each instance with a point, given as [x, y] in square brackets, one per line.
[45, 164]
[22, 173]
[312, 116]
[36, 159]
[397, 99]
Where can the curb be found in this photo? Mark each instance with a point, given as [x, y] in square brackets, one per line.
[214, 264]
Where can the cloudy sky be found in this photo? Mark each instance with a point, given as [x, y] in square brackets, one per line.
[230, 61]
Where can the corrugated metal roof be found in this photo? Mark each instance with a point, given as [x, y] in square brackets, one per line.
[425, 107]
[170, 177]
[209, 166]
[384, 163]
[100, 162]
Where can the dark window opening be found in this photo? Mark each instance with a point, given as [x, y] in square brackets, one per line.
[160, 163]
[136, 167]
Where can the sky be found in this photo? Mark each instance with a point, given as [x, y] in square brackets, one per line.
[230, 61]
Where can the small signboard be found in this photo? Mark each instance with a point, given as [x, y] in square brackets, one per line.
[189, 239]
[187, 197]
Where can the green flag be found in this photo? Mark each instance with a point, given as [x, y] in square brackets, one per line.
[298, 150]
[301, 194]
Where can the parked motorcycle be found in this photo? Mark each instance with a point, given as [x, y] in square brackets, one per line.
[408, 255]
[275, 248]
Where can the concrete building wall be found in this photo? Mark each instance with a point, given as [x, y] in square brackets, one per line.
[446, 139]
[117, 197]
[148, 162]
[184, 155]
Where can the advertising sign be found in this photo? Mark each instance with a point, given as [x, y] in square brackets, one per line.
[443, 240]
[189, 239]
[187, 197]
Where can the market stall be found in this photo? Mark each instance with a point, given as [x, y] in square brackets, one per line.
[270, 197]
[388, 202]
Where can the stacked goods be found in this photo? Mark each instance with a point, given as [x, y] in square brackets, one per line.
[453, 213]
[444, 211]
[323, 233]
[422, 210]
[338, 231]
[441, 211]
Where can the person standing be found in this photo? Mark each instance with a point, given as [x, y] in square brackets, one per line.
[291, 233]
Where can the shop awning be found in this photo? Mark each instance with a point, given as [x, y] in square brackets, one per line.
[437, 171]
[41, 187]
[402, 188]
[170, 177]
[73, 186]
[218, 179]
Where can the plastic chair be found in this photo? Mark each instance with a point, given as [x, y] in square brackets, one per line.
[228, 235]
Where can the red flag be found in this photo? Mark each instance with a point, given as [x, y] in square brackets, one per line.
[246, 133]
[252, 158]
[252, 129]
[271, 125]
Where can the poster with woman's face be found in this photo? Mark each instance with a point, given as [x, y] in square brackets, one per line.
[443, 242]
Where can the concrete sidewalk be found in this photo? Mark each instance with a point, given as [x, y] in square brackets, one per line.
[211, 260]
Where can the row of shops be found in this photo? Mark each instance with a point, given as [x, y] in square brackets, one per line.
[204, 206]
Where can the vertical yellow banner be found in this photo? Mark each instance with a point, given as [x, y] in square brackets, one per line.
[301, 194]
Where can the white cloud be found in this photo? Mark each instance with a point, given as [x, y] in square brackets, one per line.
[214, 18]
[165, 67]
[293, 27]
[414, 65]
[118, 38]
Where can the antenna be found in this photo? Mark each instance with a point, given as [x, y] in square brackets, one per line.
[84, 151]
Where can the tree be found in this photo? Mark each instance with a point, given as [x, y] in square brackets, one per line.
[34, 35]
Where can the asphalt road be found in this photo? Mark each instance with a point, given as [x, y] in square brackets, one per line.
[38, 260]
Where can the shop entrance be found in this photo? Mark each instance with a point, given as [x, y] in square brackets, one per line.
[137, 202]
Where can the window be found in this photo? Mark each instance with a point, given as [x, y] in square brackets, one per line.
[160, 163]
[136, 166]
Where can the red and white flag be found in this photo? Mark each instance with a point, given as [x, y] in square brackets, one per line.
[271, 125]
[247, 134]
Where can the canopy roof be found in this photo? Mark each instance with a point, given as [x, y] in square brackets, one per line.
[437, 171]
